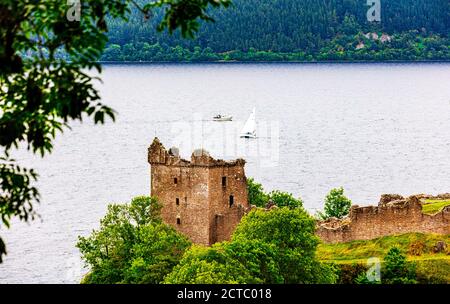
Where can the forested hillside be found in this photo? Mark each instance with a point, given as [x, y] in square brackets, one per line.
[294, 30]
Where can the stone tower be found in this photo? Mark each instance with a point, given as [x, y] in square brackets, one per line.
[203, 198]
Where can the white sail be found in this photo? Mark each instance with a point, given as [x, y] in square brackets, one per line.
[249, 129]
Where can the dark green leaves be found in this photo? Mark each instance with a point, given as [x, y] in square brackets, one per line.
[132, 245]
[184, 14]
[272, 247]
[336, 205]
[18, 194]
[256, 194]
[40, 92]
[257, 197]
[396, 269]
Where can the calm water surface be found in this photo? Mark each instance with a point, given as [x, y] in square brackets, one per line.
[370, 128]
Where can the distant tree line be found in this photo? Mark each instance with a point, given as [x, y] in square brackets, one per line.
[289, 30]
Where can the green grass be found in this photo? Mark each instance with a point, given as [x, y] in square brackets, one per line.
[434, 206]
[358, 250]
[433, 271]
[431, 267]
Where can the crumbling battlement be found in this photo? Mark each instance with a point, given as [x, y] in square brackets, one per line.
[158, 155]
[203, 198]
[393, 215]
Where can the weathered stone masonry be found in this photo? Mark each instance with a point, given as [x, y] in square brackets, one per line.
[393, 215]
[203, 198]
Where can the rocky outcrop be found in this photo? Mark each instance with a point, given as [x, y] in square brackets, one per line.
[440, 247]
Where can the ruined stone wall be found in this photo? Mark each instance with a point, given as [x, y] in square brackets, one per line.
[397, 216]
[192, 199]
[224, 214]
[195, 199]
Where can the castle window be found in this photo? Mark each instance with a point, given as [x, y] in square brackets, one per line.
[185, 199]
[224, 181]
[175, 180]
[178, 221]
[177, 201]
[231, 200]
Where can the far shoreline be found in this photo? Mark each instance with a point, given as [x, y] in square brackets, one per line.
[220, 62]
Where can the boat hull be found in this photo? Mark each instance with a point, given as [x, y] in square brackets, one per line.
[248, 135]
[223, 119]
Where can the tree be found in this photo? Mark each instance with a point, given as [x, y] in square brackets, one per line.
[396, 269]
[336, 204]
[284, 199]
[256, 194]
[132, 245]
[237, 262]
[318, 29]
[292, 232]
[271, 247]
[40, 93]
[112, 53]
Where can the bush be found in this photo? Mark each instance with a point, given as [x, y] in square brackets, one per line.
[416, 248]
[348, 273]
[396, 270]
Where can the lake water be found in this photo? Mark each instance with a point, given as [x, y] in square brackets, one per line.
[371, 128]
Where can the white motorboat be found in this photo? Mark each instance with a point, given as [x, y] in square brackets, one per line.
[249, 129]
[221, 117]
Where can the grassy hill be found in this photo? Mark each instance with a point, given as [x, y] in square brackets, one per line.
[419, 248]
[434, 206]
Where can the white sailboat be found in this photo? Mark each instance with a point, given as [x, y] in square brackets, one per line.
[249, 129]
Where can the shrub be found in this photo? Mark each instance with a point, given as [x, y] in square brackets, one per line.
[396, 270]
[416, 248]
[348, 273]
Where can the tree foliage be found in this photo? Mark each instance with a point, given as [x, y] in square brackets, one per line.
[276, 246]
[42, 91]
[259, 198]
[290, 30]
[396, 270]
[284, 199]
[237, 262]
[292, 231]
[256, 194]
[132, 245]
[336, 204]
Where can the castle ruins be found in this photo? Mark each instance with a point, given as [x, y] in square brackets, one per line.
[393, 215]
[203, 198]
